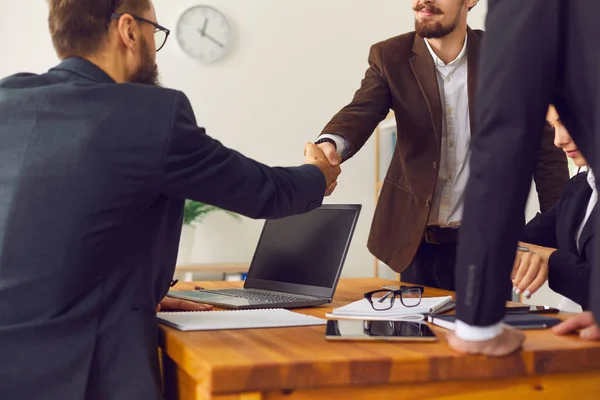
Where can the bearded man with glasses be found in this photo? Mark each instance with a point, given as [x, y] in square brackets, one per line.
[96, 161]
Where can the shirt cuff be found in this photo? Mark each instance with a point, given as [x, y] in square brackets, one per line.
[472, 333]
[341, 144]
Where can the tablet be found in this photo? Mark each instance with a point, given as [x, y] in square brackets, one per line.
[379, 330]
[521, 321]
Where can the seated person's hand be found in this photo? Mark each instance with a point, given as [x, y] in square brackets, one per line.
[584, 323]
[315, 156]
[530, 269]
[171, 304]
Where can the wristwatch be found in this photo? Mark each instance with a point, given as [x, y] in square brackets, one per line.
[327, 140]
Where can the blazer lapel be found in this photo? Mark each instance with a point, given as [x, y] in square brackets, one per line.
[473, 45]
[588, 231]
[571, 215]
[424, 70]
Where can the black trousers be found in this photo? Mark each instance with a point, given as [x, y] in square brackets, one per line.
[433, 266]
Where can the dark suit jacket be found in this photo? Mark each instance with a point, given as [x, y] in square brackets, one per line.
[93, 177]
[402, 77]
[532, 55]
[569, 268]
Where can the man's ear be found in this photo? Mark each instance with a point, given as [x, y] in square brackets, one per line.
[471, 4]
[127, 28]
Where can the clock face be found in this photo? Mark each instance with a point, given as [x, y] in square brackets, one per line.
[204, 33]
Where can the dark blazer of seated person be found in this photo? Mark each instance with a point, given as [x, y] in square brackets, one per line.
[569, 266]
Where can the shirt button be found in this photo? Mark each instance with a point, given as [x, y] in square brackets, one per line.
[444, 208]
[451, 144]
[448, 79]
[435, 165]
[449, 111]
[427, 203]
[450, 176]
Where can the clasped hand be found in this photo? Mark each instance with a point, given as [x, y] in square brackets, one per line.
[327, 160]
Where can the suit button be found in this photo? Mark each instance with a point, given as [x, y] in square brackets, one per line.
[428, 203]
[435, 165]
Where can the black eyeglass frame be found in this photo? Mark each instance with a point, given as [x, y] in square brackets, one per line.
[154, 24]
[387, 293]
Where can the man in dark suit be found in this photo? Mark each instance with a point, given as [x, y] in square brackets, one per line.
[536, 52]
[95, 164]
[428, 78]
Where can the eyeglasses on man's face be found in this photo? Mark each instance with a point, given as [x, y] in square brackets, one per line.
[161, 34]
[384, 299]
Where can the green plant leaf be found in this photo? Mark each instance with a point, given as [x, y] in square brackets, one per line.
[195, 211]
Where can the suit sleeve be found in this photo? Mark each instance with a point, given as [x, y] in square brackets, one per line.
[551, 171]
[569, 275]
[370, 105]
[200, 168]
[541, 230]
[514, 89]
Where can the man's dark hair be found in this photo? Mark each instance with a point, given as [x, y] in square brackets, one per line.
[78, 27]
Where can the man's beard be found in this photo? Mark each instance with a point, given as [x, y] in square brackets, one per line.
[147, 73]
[434, 30]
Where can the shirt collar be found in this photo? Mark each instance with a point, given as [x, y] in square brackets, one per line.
[439, 62]
[591, 179]
[85, 69]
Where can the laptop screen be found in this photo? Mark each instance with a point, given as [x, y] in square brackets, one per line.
[307, 249]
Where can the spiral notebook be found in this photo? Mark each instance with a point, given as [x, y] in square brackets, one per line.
[362, 309]
[236, 319]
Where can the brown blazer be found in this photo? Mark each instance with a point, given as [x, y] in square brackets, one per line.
[402, 77]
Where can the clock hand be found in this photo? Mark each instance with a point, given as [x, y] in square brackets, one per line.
[204, 27]
[206, 35]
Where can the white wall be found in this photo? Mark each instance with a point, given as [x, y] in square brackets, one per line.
[293, 65]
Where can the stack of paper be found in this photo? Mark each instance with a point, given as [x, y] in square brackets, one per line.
[362, 309]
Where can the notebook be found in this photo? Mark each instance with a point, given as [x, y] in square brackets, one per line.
[236, 319]
[517, 321]
[362, 309]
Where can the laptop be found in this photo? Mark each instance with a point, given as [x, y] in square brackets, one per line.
[297, 262]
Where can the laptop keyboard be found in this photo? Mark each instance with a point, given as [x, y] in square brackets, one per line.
[260, 296]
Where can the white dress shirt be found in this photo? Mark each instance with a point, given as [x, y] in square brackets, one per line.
[447, 208]
[593, 200]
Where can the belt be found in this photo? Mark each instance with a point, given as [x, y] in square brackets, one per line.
[436, 235]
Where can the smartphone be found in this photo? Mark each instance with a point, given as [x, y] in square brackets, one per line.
[352, 329]
[532, 310]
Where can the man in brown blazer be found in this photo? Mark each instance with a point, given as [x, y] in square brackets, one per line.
[428, 78]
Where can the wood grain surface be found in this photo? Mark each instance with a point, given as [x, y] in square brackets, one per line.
[298, 363]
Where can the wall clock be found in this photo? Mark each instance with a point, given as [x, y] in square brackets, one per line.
[204, 33]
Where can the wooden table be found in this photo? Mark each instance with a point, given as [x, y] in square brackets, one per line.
[298, 363]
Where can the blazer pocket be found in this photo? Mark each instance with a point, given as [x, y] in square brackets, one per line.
[397, 184]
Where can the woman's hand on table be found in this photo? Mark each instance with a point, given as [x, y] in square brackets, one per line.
[530, 269]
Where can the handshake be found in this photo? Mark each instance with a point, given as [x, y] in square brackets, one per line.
[325, 157]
